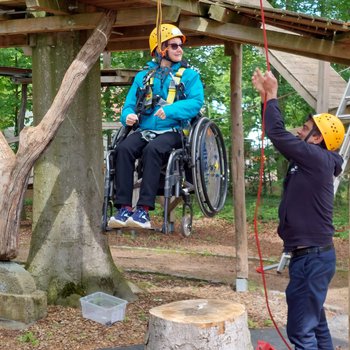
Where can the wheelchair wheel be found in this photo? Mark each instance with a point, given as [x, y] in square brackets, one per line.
[107, 207]
[186, 220]
[209, 167]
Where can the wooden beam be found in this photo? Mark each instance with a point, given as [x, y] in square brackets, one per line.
[125, 18]
[135, 45]
[189, 6]
[224, 15]
[12, 3]
[13, 40]
[136, 17]
[57, 7]
[342, 38]
[50, 24]
[131, 33]
[304, 46]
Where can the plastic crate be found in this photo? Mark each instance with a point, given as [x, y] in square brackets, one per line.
[103, 308]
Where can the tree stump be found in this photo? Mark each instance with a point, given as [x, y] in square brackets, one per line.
[202, 324]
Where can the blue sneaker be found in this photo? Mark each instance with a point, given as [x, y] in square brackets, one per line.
[139, 219]
[119, 220]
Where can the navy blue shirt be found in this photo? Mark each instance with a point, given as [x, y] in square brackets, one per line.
[306, 208]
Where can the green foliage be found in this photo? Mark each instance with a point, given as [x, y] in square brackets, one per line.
[29, 337]
[10, 96]
[267, 211]
[327, 8]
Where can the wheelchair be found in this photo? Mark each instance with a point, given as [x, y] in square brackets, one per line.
[199, 168]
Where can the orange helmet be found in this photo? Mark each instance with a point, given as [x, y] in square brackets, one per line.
[167, 32]
[331, 128]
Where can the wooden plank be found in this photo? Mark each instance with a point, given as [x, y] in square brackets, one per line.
[58, 7]
[343, 37]
[132, 33]
[116, 80]
[133, 45]
[148, 16]
[222, 14]
[111, 125]
[302, 72]
[13, 40]
[50, 24]
[128, 17]
[12, 3]
[187, 6]
[304, 46]
[283, 18]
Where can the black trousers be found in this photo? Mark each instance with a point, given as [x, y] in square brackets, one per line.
[154, 155]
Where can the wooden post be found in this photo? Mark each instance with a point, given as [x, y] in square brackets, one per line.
[237, 166]
[203, 324]
[322, 104]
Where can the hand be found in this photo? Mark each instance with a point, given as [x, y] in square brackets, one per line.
[270, 85]
[258, 81]
[131, 119]
[160, 113]
[265, 84]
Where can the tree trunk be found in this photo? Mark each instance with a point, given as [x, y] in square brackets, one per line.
[203, 324]
[68, 254]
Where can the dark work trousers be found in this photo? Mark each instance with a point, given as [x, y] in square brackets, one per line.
[306, 293]
[154, 155]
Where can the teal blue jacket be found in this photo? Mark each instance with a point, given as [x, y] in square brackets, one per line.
[177, 112]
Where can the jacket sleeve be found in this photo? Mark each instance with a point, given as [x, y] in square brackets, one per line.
[131, 98]
[188, 108]
[286, 143]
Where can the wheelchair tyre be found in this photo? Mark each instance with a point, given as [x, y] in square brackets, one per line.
[186, 225]
[107, 212]
[209, 167]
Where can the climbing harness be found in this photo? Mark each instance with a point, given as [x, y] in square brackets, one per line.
[264, 345]
[147, 101]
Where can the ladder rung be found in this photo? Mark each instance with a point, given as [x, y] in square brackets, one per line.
[344, 116]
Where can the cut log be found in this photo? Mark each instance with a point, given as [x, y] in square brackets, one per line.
[202, 324]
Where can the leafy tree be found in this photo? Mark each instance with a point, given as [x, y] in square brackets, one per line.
[10, 97]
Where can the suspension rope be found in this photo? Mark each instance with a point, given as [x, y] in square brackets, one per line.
[159, 21]
[261, 174]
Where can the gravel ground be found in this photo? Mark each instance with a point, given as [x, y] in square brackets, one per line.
[65, 328]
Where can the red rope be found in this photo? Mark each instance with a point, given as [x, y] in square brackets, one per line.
[261, 174]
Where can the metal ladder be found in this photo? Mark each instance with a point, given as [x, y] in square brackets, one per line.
[344, 152]
[345, 147]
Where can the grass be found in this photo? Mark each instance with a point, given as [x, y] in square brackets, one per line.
[268, 212]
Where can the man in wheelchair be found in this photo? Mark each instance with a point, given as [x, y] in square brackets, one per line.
[162, 99]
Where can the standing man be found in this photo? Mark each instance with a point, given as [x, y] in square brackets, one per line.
[163, 98]
[305, 214]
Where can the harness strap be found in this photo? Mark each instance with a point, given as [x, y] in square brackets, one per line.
[175, 81]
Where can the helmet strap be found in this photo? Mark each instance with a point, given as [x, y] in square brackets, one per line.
[158, 56]
[311, 133]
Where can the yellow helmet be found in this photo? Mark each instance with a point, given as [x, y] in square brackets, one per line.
[331, 128]
[167, 32]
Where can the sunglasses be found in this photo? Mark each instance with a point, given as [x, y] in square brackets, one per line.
[175, 46]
